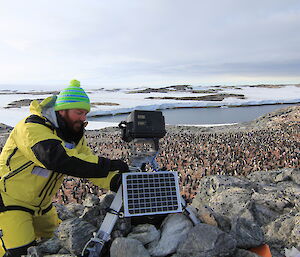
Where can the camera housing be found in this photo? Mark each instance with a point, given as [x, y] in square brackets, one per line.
[143, 124]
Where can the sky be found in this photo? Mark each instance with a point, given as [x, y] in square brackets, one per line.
[117, 43]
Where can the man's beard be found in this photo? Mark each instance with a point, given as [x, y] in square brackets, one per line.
[72, 131]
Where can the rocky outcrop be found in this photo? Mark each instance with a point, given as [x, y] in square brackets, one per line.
[213, 97]
[265, 206]
[236, 214]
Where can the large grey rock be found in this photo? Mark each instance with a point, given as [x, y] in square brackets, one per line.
[173, 231]
[145, 233]
[211, 184]
[128, 247]
[224, 201]
[247, 233]
[207, 241]
[74, 234]
[221, 193]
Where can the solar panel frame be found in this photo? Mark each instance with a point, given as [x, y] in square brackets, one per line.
[151, 193]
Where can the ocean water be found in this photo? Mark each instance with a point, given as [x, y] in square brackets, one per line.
[201, 116]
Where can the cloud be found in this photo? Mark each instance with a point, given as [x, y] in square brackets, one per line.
[49, 41]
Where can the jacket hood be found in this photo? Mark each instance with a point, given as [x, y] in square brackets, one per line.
[45, 109]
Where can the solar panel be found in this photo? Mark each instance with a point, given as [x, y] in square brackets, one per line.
[148, 193]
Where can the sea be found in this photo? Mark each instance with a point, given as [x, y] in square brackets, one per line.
[204, 116]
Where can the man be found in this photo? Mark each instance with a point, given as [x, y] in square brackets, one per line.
[39, 152]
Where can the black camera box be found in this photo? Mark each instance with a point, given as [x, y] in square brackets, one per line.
[144, 124]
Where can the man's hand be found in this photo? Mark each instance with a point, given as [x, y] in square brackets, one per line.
[118, 165]
[115, 182]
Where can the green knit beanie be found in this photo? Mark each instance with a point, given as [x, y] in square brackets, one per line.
[72, 97]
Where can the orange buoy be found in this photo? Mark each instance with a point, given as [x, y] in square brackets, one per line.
[263, 250]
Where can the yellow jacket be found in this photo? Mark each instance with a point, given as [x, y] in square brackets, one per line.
[35, 159]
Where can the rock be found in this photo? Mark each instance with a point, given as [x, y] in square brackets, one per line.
[207, 241]
[246, 233]
[51, 246]
[291, 252]
[128, 247]
[145, 233]
[268, 177]
[205, 214]
[173, 231]
[276, 176]
[224, 223]
[122, 227]
[211, 189]
[224, 201]
[106, 200]
[5, 128]
[59, 255]
[75, 209]
[295, 175]
[93, 215]
[91, 200]
[285, 229]
[274, 200]
[96, 209]
[262, 214]
[63, 251]
[74, 234]
[244, 253]
[63, 212]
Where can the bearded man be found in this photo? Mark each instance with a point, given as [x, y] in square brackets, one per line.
[40, 151]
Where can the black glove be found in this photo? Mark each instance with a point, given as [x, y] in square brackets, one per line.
[115, 182]
[118, 165]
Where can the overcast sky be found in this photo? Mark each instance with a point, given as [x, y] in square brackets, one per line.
[120, 43]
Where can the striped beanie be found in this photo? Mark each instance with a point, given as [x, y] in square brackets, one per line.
[72, 97]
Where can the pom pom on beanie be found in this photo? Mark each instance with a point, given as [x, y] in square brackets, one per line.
[72, 97]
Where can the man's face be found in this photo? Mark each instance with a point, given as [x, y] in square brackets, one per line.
[75, 118]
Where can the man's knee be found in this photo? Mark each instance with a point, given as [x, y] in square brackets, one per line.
[18, 252]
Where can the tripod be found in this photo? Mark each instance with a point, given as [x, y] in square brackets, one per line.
[144, 151]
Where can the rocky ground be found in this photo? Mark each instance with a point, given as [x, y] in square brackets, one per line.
[236, 213]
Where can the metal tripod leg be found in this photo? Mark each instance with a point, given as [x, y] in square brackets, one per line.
[188, 211]
[103, 234]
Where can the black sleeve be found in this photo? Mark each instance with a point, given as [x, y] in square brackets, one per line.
[54, 157]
